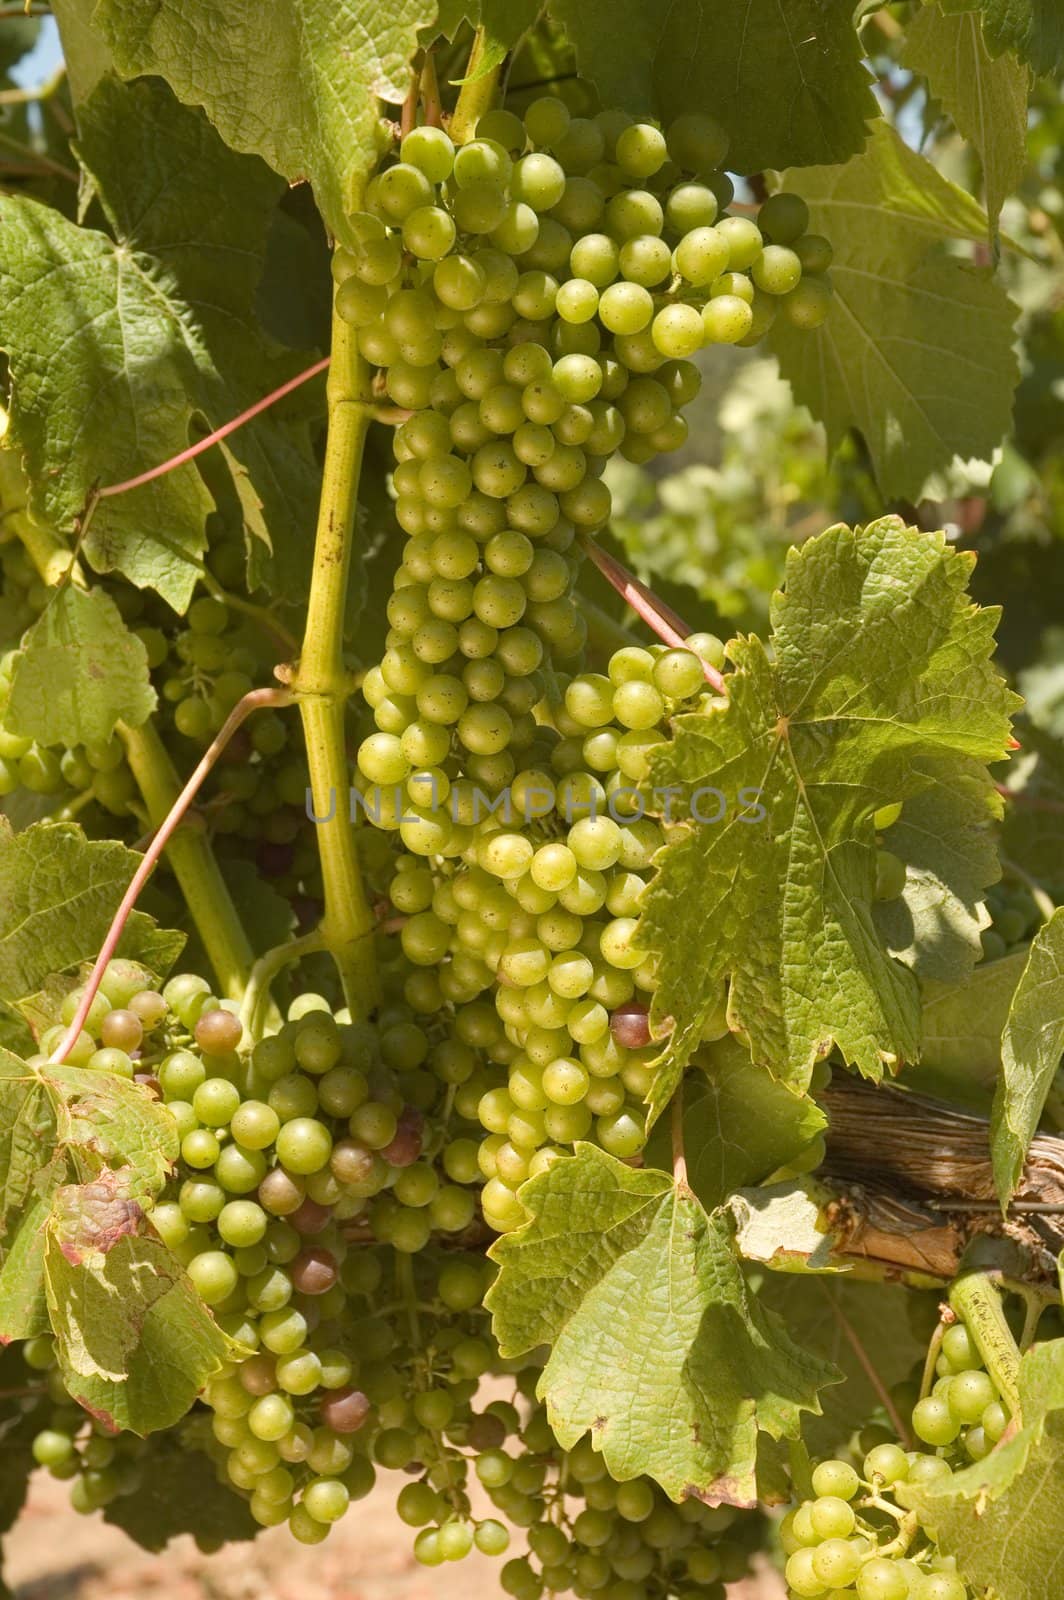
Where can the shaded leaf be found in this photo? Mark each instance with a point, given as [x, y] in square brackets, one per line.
[1031, 1047]
[79, 671]
[946, 838]
[829, 1315]
[960, 1056]
[301, 93]
[739, 1124]
[1034, 29]
[986, 97]
[916, 350]
[657, 1345]
[58, 893]
[181, 1494]
[880, 675]
[694, 56]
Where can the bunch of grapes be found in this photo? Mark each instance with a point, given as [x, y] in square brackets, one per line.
[1015, 919]
[855, 1537]
[532, 298]
[100, 1466]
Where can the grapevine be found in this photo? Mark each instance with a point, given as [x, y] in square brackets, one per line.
[553, 1007]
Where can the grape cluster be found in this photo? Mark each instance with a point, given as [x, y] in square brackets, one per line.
[532, 298]
[1015, 919]
[853, 1537]
[99, 1466]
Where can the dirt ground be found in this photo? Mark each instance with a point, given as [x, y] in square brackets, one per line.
[54, 1554]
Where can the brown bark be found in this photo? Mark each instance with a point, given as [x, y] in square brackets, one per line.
[915, 1185]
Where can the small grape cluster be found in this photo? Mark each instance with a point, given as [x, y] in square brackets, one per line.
[1014, 919]
[97, 768]
[99, 1466]
[855, 1536]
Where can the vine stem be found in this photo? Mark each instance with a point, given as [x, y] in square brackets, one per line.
[322, 683]
[223, 432]
[869, 1368]
[659, 617]
[927, 1378]
[477, 92]
[976, 1300]
[197, 871]
[266, 968]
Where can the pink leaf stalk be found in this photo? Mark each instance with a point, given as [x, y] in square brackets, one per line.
[223, 432]
[660, 618]
[243, 709]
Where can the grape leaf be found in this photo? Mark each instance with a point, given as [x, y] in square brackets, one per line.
[880, 666]
[503, 22]
[79, 671]
[1031, 1047]
[916, 350]
[1034, 29]
[115, 346]
[977, 1513]
[1033, 835]
[58, 893]
[985, 97]
[783, 1226]
[216, 255]
[739, 1124]
[835, 1317]
[130, 1308]
[301, 92]
[657, 1345]
[85, 55]
[695, 56]
[945, 836]
[181, 1494]
[960, 1053]
[61, 1122]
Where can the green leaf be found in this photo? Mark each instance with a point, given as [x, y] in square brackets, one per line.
[880, 677]
[1031, 1047]
[27, 1127]
[986, 97]
[698, 56]
[916, 350]
[181, 1494]
[301, 93]
[946, 838]
[978, 1514]
[85, 55]
[739, 1124]
[58, 893]
[135, 1342]
[216, 256]
[657, 1345]
[116, 346]
[1033, 834]
[79, 671]
[834, 1318]
[960, 1056]
[783, 1226]
[1034, 29]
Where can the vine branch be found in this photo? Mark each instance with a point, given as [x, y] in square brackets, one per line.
[322, 683]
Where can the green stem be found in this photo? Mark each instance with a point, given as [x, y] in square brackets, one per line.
[322, 684]
[192, 859]
[266, 969]
[477, 92]
[976, 1300]
[927, 1382]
